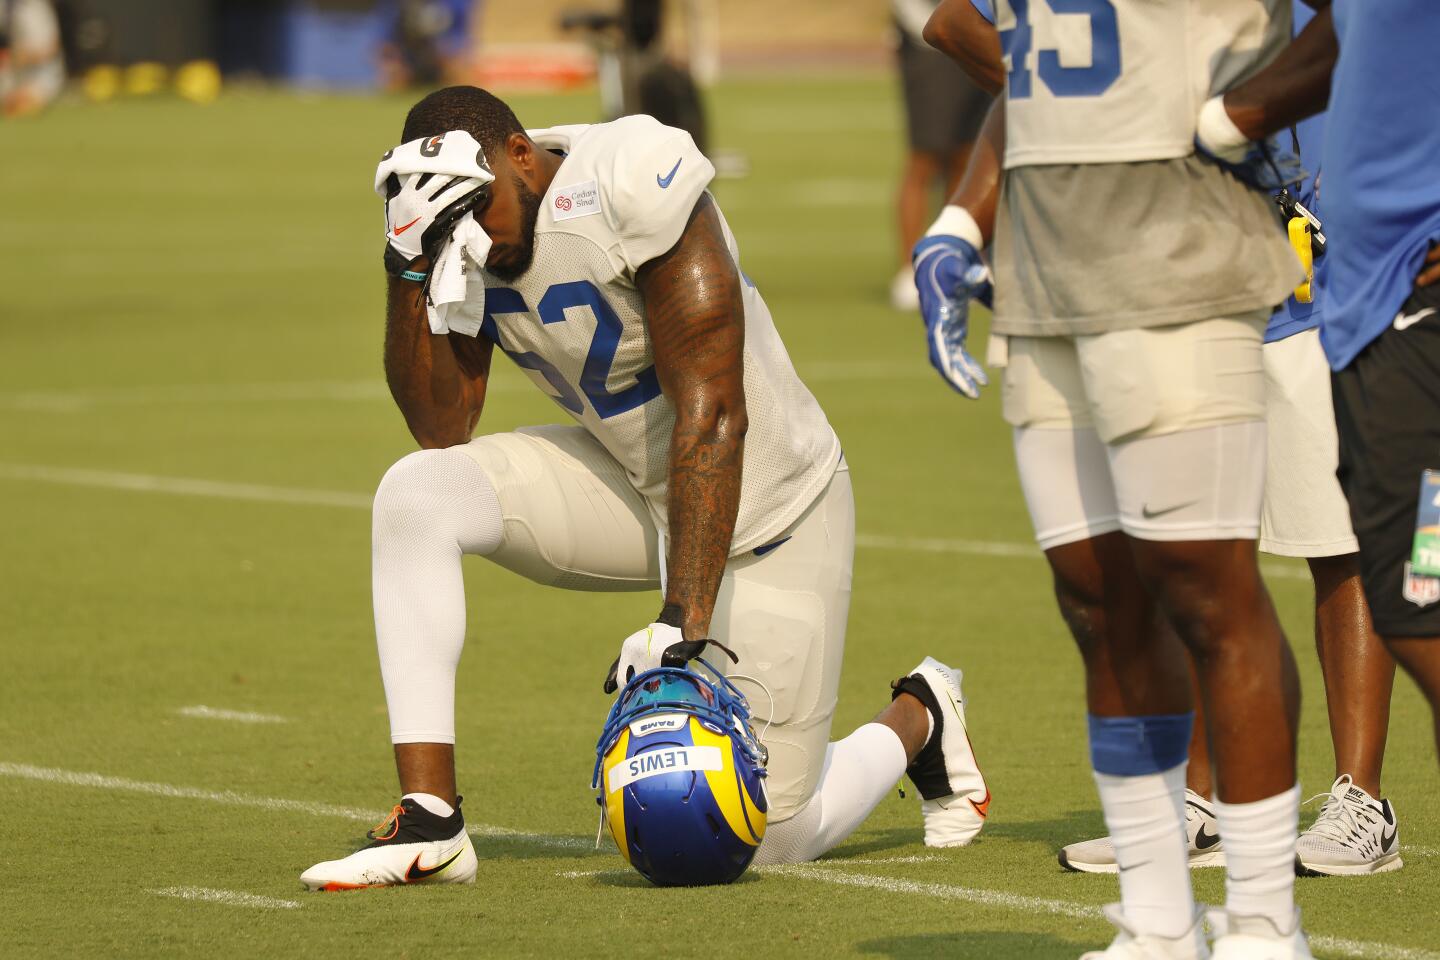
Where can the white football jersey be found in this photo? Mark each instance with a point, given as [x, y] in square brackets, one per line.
[1112, 81]
[576, 324]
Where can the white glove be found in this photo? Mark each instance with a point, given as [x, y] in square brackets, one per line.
[645, 650]
[428, 185]
[658, 645]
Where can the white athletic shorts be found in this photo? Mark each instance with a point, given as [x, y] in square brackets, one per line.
[1159, 432]
[1305, 513]
[572, 519]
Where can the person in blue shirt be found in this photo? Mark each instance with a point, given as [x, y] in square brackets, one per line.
[1305, 515]
[1381, 322]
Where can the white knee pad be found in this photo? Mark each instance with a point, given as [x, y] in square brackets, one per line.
[438, 494]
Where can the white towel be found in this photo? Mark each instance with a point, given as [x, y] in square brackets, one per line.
[455, 304]
[452, 304]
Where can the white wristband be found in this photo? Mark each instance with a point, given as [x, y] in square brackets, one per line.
[1218, 133]
[955, 221]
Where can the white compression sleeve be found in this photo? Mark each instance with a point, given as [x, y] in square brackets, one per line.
[432, 507]
[859, 771]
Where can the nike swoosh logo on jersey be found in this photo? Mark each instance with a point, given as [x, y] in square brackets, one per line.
[1149, 514]
[761, 551]
[665, 180]
[400, 230]
[1404, 321]
[417, 872]
[1204, 840]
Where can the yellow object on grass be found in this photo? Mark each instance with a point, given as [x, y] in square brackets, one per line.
[198, 81]
[143, 79]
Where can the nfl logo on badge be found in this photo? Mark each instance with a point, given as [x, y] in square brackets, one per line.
[1420, 589]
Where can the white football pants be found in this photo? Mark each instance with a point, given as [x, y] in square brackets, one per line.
[551, 504]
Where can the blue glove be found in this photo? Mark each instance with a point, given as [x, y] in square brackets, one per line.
[1266, 166]
[949, 274]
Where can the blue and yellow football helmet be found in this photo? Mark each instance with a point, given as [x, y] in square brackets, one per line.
[680, 776]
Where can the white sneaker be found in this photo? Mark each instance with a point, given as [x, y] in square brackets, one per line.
[1257, 938]
[954, 798]
[1355, 834]
[903, 295]
[1206, 847]
[411, 845]
[1129, 945]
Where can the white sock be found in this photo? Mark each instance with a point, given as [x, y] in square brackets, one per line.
[1146, 817]
[859, 771]
[431, 802]
[431, 507]
[1260, 856]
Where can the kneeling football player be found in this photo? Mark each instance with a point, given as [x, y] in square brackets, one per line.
[595, 258]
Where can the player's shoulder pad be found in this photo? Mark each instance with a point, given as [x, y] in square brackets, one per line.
[650, 178]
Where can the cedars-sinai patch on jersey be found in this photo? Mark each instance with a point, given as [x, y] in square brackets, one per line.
[578, 200]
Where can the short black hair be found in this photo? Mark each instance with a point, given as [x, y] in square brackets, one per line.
[478, 112]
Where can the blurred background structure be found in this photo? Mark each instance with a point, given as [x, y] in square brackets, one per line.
[652, 51]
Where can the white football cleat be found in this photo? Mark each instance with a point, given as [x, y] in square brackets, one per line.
[1257, 938]
[411, 845]
[1129, 945]
[1354, 835]
[1201, 829]
[954, 798]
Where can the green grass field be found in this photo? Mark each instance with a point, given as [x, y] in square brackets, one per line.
[193, 420]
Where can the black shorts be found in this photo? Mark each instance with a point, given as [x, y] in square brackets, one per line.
[1387, 412]
[944, 109]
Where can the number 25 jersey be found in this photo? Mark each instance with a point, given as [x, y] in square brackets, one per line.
[576, 324]
[1109, 81]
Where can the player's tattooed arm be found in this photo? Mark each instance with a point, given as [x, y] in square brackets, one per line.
[697, 332]
[438, 382]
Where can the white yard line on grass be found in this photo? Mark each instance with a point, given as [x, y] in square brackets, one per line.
[202, 712]
[884, 861]
[824, 872]
[231, 898]
[299, 496]
[351, 391]
[150, 483]
[821, 872]
[73, 778]
[937, 891]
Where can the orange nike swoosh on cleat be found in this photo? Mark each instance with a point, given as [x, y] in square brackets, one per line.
[400, 230]
[983, 807]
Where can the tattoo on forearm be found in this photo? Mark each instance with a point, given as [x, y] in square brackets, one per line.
[705, 470]
[697, 329]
